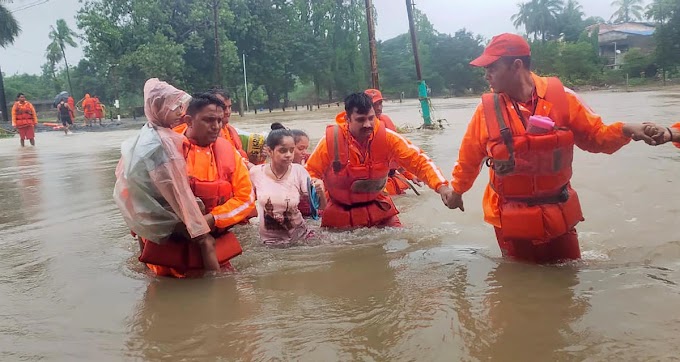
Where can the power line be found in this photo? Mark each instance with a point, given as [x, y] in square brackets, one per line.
[28, 6]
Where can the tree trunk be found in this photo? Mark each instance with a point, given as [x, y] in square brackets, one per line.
[68, 75]
[3, 101]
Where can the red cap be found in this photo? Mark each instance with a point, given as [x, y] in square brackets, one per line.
[374, 94]
[504, 45]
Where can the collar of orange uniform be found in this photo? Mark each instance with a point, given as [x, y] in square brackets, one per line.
[226, 131]
[541, 85]
[181, 128]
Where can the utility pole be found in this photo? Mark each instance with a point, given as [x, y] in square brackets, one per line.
[245, 80]
[375, 80]
[422, 87]
[3, 101]
[218, 62]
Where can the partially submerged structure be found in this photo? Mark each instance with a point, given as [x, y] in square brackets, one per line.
[616, 39]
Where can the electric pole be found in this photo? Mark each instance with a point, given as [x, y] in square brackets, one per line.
[218, 62]
[422, 87]
[375, 80]
[3, 101]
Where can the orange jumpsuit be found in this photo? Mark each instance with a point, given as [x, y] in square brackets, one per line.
[402, 152]
[89, 107]
[201, 165]
[24, 119]
[387, 121]
[230, 134]
[98, 110]
[590, 135]
[395, 184]
[72, 104]
[676, 126]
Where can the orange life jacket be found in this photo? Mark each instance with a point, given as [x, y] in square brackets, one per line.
[355, 191]
[24, 115]
[183, 255]
[532, 172]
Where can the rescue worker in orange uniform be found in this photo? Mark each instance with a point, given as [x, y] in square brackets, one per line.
[219, 178]
[529, 199]
[72, 106]
[228, 131]
[24, 119]
[353, 160]
[89, 109]
[98, 109]
[398, 182]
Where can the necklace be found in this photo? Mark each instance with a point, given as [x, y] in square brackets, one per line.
[274, 173]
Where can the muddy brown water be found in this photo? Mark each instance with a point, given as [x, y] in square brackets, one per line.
[437, 290]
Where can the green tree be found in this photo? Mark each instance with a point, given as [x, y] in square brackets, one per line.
[667, 34]
[570, 21]
[578, 62]
[627, 10]
[129, 41]
[539, 17]
[636, 62]
[451, 60]
[524, 18]
[661, 10]
[9, 30]
[61, 36]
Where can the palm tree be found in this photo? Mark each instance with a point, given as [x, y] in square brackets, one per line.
[570, 21]
[660, 10]
[573, 9]
[523, 18]
[627, 10]
[545, 13]
[54, 56]
[538, 17]
[61, 36]
[9, 30]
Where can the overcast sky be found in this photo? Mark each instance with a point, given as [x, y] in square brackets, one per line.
[485, 17]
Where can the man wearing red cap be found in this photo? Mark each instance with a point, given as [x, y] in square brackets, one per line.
[526, 130]
[398, 182]
[377, 99]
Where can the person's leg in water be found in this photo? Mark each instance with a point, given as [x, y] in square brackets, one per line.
[30, 134]
[207, 244]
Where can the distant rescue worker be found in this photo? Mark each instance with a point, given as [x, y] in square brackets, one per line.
[526, 130]
[89, 109]
[24, 119]
[98, 109]
[353, 160]
[398, 182]
[72, 105]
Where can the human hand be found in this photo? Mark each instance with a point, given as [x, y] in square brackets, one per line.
[659, 134]
[450, 198]
[454, 201]
[181, 230]
[318, 186]
[210, 220]
[641, 132]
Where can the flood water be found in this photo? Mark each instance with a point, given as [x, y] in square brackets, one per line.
[437, 290]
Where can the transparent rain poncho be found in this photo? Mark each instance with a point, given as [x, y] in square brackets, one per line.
[152, 189]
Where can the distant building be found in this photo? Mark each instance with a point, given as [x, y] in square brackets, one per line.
[616, 39]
